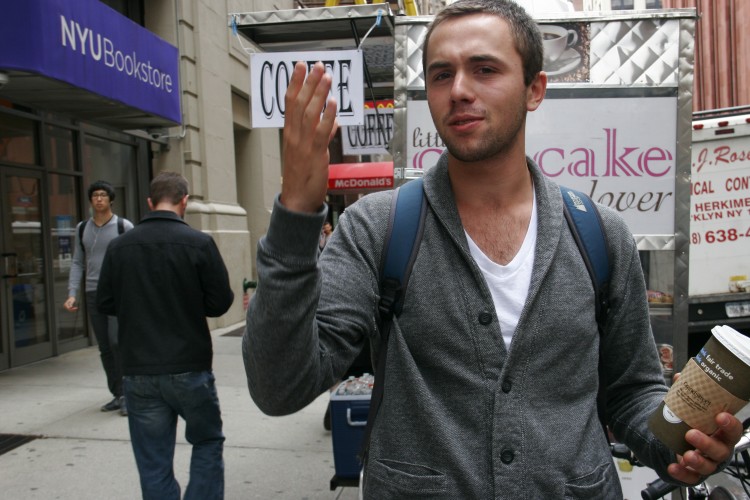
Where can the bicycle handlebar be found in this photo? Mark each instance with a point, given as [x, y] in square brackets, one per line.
[657, 490]
[743, 444]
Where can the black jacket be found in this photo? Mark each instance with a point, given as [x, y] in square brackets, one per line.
[161, 280]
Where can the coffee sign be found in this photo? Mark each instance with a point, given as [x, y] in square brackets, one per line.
[270, 73]
[372, 137]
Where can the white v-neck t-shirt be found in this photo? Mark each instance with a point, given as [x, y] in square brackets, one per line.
[509, 284]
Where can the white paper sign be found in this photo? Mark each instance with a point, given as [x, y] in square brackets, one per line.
[373, 137]
[270, 73]
[622, 159]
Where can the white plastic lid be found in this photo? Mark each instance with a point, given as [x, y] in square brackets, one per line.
[737, 343]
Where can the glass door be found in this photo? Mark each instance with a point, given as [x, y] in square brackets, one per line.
[23, 316]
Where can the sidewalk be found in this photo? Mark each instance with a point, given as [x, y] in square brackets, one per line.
[86, 454]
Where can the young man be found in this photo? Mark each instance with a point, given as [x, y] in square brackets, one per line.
[325, 235]
[100, 229]
[491, 375]
[161, 280]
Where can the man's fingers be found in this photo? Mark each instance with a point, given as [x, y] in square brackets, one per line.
[693, 467]
[302, 91]
[309, 125]
[327, 126]
[319, 98]
[307, 132]
[710, 450]
[334, 128]
[719, 446]
[295, 84]
[305, 100]
[683, 474]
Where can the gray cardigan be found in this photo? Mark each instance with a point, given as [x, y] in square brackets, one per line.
[462, 416]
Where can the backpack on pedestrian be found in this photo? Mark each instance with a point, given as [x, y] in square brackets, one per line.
[82, 226]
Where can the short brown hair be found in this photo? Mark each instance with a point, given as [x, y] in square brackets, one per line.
[168, 186]
[528, 39]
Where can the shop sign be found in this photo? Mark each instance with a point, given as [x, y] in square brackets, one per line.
[423, 144]
[360, 176]
[270, 73]
[92, 47]
[373, 137]
[626, 161]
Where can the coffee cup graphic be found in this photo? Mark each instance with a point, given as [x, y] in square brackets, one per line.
[555, 40]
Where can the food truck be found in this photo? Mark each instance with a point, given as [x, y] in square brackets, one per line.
[719, 287]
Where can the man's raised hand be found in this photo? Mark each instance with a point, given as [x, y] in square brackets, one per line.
[307, 133]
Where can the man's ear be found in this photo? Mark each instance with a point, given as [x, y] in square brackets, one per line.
[150, 205]
[536, 91]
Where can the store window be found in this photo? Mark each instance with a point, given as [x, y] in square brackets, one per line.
[17, 136]
[64, 215]
[132, 9]
[47, 163]
[64, 212]
[22, 200]
[115, 163]
[59, 148]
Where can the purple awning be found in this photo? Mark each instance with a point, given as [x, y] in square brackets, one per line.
[85, 45]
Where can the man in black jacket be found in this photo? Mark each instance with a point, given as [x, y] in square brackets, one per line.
[161, 282]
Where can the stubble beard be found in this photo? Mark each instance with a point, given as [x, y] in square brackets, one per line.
[493, 143]
[487, 148]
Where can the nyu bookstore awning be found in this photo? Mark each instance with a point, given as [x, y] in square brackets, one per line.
[360, 177]
[88, 61]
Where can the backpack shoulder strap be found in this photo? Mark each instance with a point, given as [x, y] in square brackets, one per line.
[586, 226]
[400, 248]
[81, 227]
[401, 245]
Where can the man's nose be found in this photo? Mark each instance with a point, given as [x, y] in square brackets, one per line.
[462, 88]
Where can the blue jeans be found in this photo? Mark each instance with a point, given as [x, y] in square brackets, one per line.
[154, 402]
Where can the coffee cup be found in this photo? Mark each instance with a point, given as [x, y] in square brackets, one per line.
[716, 380]
[555, 40]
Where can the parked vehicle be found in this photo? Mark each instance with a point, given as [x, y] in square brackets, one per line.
[719, 289]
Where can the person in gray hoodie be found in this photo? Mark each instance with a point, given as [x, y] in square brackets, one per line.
[491, 376]
[103, 227]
